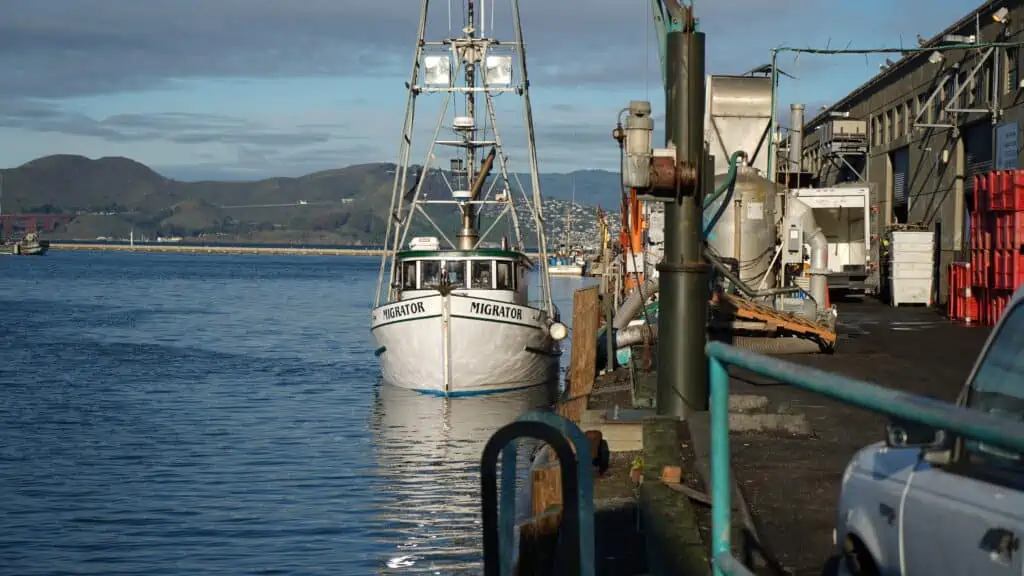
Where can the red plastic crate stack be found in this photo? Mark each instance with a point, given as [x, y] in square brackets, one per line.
[962, 305]
[996, 268]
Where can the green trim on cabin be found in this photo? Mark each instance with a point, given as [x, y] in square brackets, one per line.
[400, 320]
[496, 321]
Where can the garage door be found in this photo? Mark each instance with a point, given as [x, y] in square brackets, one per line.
[977, 153]
[900, 171]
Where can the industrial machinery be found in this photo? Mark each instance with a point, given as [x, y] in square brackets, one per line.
[768, 253]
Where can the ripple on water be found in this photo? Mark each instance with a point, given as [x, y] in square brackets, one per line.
[176, 414]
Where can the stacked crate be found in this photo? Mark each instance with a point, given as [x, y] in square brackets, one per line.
[996, 268]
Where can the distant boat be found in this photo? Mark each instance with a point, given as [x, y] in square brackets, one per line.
[30, 245]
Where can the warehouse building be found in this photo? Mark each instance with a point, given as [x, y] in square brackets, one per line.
[925, 125]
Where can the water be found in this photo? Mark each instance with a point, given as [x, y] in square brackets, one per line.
[194, 414]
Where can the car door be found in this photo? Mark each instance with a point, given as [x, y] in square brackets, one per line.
[967, 517]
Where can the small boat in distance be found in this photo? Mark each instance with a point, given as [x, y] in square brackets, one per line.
[29, 245]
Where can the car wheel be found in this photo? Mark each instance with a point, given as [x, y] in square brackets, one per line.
[857, 560]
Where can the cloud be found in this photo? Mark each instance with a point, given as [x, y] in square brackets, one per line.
[56, 50]
[63, 48]
[178, 128]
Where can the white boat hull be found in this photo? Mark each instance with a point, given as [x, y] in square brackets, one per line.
[459, 345]
[565, 270]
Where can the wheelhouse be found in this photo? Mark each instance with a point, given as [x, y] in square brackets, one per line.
[477, 270]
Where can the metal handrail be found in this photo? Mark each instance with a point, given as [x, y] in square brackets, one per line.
[974, 424]
[576, 538]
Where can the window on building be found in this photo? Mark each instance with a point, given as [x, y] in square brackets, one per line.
[481, 275]
[971, 91]
[960, 87]
[897, 122]
[1010, 57]
[979, 87]
[943, 101]
[887, 128]
[908, 117]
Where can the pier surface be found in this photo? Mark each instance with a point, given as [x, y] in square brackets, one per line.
[790, 447]
[792, 480]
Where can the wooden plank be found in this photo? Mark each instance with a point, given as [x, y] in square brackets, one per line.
[586, 320]
[538, 539]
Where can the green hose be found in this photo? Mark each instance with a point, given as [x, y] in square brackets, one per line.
[730, 178]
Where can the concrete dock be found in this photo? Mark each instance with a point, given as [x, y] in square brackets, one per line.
[789, 447]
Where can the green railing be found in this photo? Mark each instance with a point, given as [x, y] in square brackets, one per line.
[1000, 432]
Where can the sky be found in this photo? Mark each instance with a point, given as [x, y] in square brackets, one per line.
[244, 89]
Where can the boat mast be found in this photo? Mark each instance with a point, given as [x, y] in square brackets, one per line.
[468, 236]
[470, 54]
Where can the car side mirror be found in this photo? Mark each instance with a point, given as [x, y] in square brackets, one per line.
[901, 433]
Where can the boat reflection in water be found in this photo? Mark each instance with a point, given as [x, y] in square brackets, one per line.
[429, 452]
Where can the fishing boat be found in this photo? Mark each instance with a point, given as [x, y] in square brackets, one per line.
[29, 245]
[455, 318]
[567, 260]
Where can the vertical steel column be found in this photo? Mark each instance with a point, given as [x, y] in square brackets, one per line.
[682, 366]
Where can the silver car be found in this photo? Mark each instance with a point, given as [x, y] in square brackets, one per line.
[930, 503]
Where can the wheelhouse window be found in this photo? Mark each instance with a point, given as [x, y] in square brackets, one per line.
[409, 275]
[998, 388]
[481, 279]
[456, 272]
[431, 274]
[505, 277]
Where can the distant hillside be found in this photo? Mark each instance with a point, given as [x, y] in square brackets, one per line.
[348, 205]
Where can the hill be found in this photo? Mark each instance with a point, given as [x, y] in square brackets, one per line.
[346, 205]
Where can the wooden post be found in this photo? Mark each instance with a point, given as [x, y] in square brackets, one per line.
[586, 319]
[538, 539]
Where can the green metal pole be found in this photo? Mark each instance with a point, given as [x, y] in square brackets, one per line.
[682, 366]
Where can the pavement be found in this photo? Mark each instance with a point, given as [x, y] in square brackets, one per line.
[791, 475]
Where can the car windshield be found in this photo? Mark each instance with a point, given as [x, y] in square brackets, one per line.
[998, 387]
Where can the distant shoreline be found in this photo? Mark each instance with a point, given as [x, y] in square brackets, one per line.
[215, 248]
[186, 248]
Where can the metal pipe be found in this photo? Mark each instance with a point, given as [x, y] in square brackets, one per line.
[634, 302]
[796, 137]
[468, 237]
[682, 369]
[802, 213]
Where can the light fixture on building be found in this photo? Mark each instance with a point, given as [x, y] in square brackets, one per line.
[1001, 16]
[935, 58]
[959, 39]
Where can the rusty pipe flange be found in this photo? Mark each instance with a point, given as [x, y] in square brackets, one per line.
[666, 175]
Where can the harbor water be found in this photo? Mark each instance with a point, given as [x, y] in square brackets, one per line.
[204, 414]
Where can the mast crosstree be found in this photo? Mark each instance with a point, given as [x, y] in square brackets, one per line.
[467, 71]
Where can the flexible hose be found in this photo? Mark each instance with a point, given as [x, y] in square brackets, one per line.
[727, 186]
